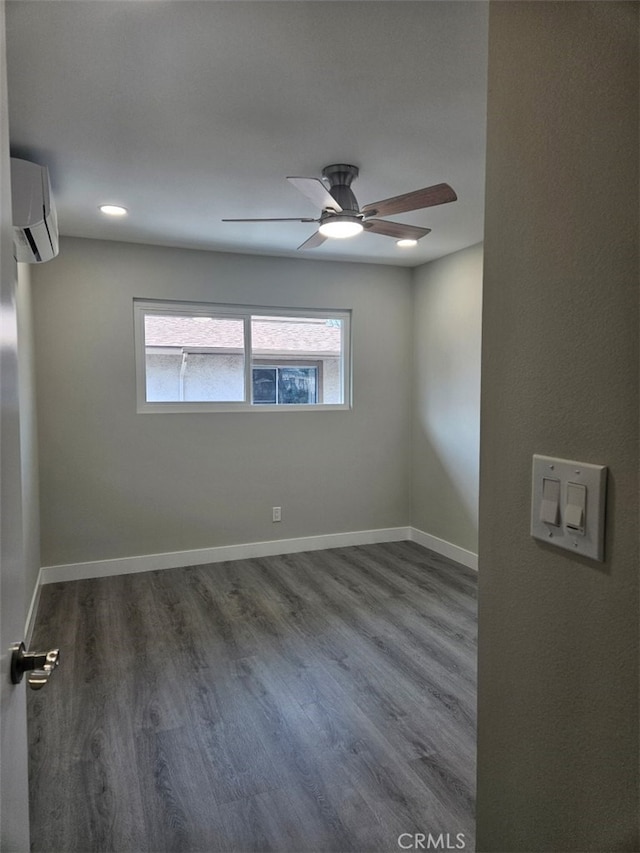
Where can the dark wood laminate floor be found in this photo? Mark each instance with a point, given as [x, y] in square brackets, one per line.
[311, 702]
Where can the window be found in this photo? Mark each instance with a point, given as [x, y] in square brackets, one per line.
[199, 357]
[284, 384]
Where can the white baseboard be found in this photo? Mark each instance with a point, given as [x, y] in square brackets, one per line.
[202, 556]
[447, 549]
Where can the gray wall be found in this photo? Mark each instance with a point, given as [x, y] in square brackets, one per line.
[447, 317]
[558, 645]
[115, 483]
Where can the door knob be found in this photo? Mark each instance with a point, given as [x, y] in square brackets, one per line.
[39, 665]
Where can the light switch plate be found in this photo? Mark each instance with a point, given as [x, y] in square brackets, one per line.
[594, 479]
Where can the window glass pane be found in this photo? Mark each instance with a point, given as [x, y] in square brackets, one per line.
[292, 341]
[264, 385]
[297, 385]
[194, 358]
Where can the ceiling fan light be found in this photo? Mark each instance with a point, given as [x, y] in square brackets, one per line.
[406, 243]
[341, 227]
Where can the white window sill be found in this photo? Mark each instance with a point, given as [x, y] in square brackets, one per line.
[182, 408]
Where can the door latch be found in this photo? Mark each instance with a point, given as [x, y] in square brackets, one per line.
[39, 665]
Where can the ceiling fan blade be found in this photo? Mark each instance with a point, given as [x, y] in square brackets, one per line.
[395, 229]
[294, 219]
[416, 200]
[316, 239]
[314, 189]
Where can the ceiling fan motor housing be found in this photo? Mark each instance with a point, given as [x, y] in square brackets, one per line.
[340, 177]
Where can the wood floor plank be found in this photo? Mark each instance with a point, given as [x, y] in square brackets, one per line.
[422, 673]
[322, 701]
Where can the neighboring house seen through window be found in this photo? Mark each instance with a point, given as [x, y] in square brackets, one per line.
[201, 357]
[285, 384]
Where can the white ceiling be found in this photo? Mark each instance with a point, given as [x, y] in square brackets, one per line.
[187, 112]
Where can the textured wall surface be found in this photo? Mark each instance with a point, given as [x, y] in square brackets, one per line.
[447, 318]
[116, 484]
[558, 635]
[209, 377]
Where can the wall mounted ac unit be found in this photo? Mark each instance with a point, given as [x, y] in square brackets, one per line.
[35, 224]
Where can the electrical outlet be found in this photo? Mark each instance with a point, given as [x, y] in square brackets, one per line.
[276, 513]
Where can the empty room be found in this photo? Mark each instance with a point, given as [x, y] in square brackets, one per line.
[319, 426]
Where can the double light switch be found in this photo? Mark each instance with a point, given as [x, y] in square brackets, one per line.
[575, 508]
[568, 505]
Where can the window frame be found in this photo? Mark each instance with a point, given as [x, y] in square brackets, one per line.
[144, 307]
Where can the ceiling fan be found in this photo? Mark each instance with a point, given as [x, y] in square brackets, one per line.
[341, 217]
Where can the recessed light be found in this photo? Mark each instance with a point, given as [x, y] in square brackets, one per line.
[406, 243]
[113, 210]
